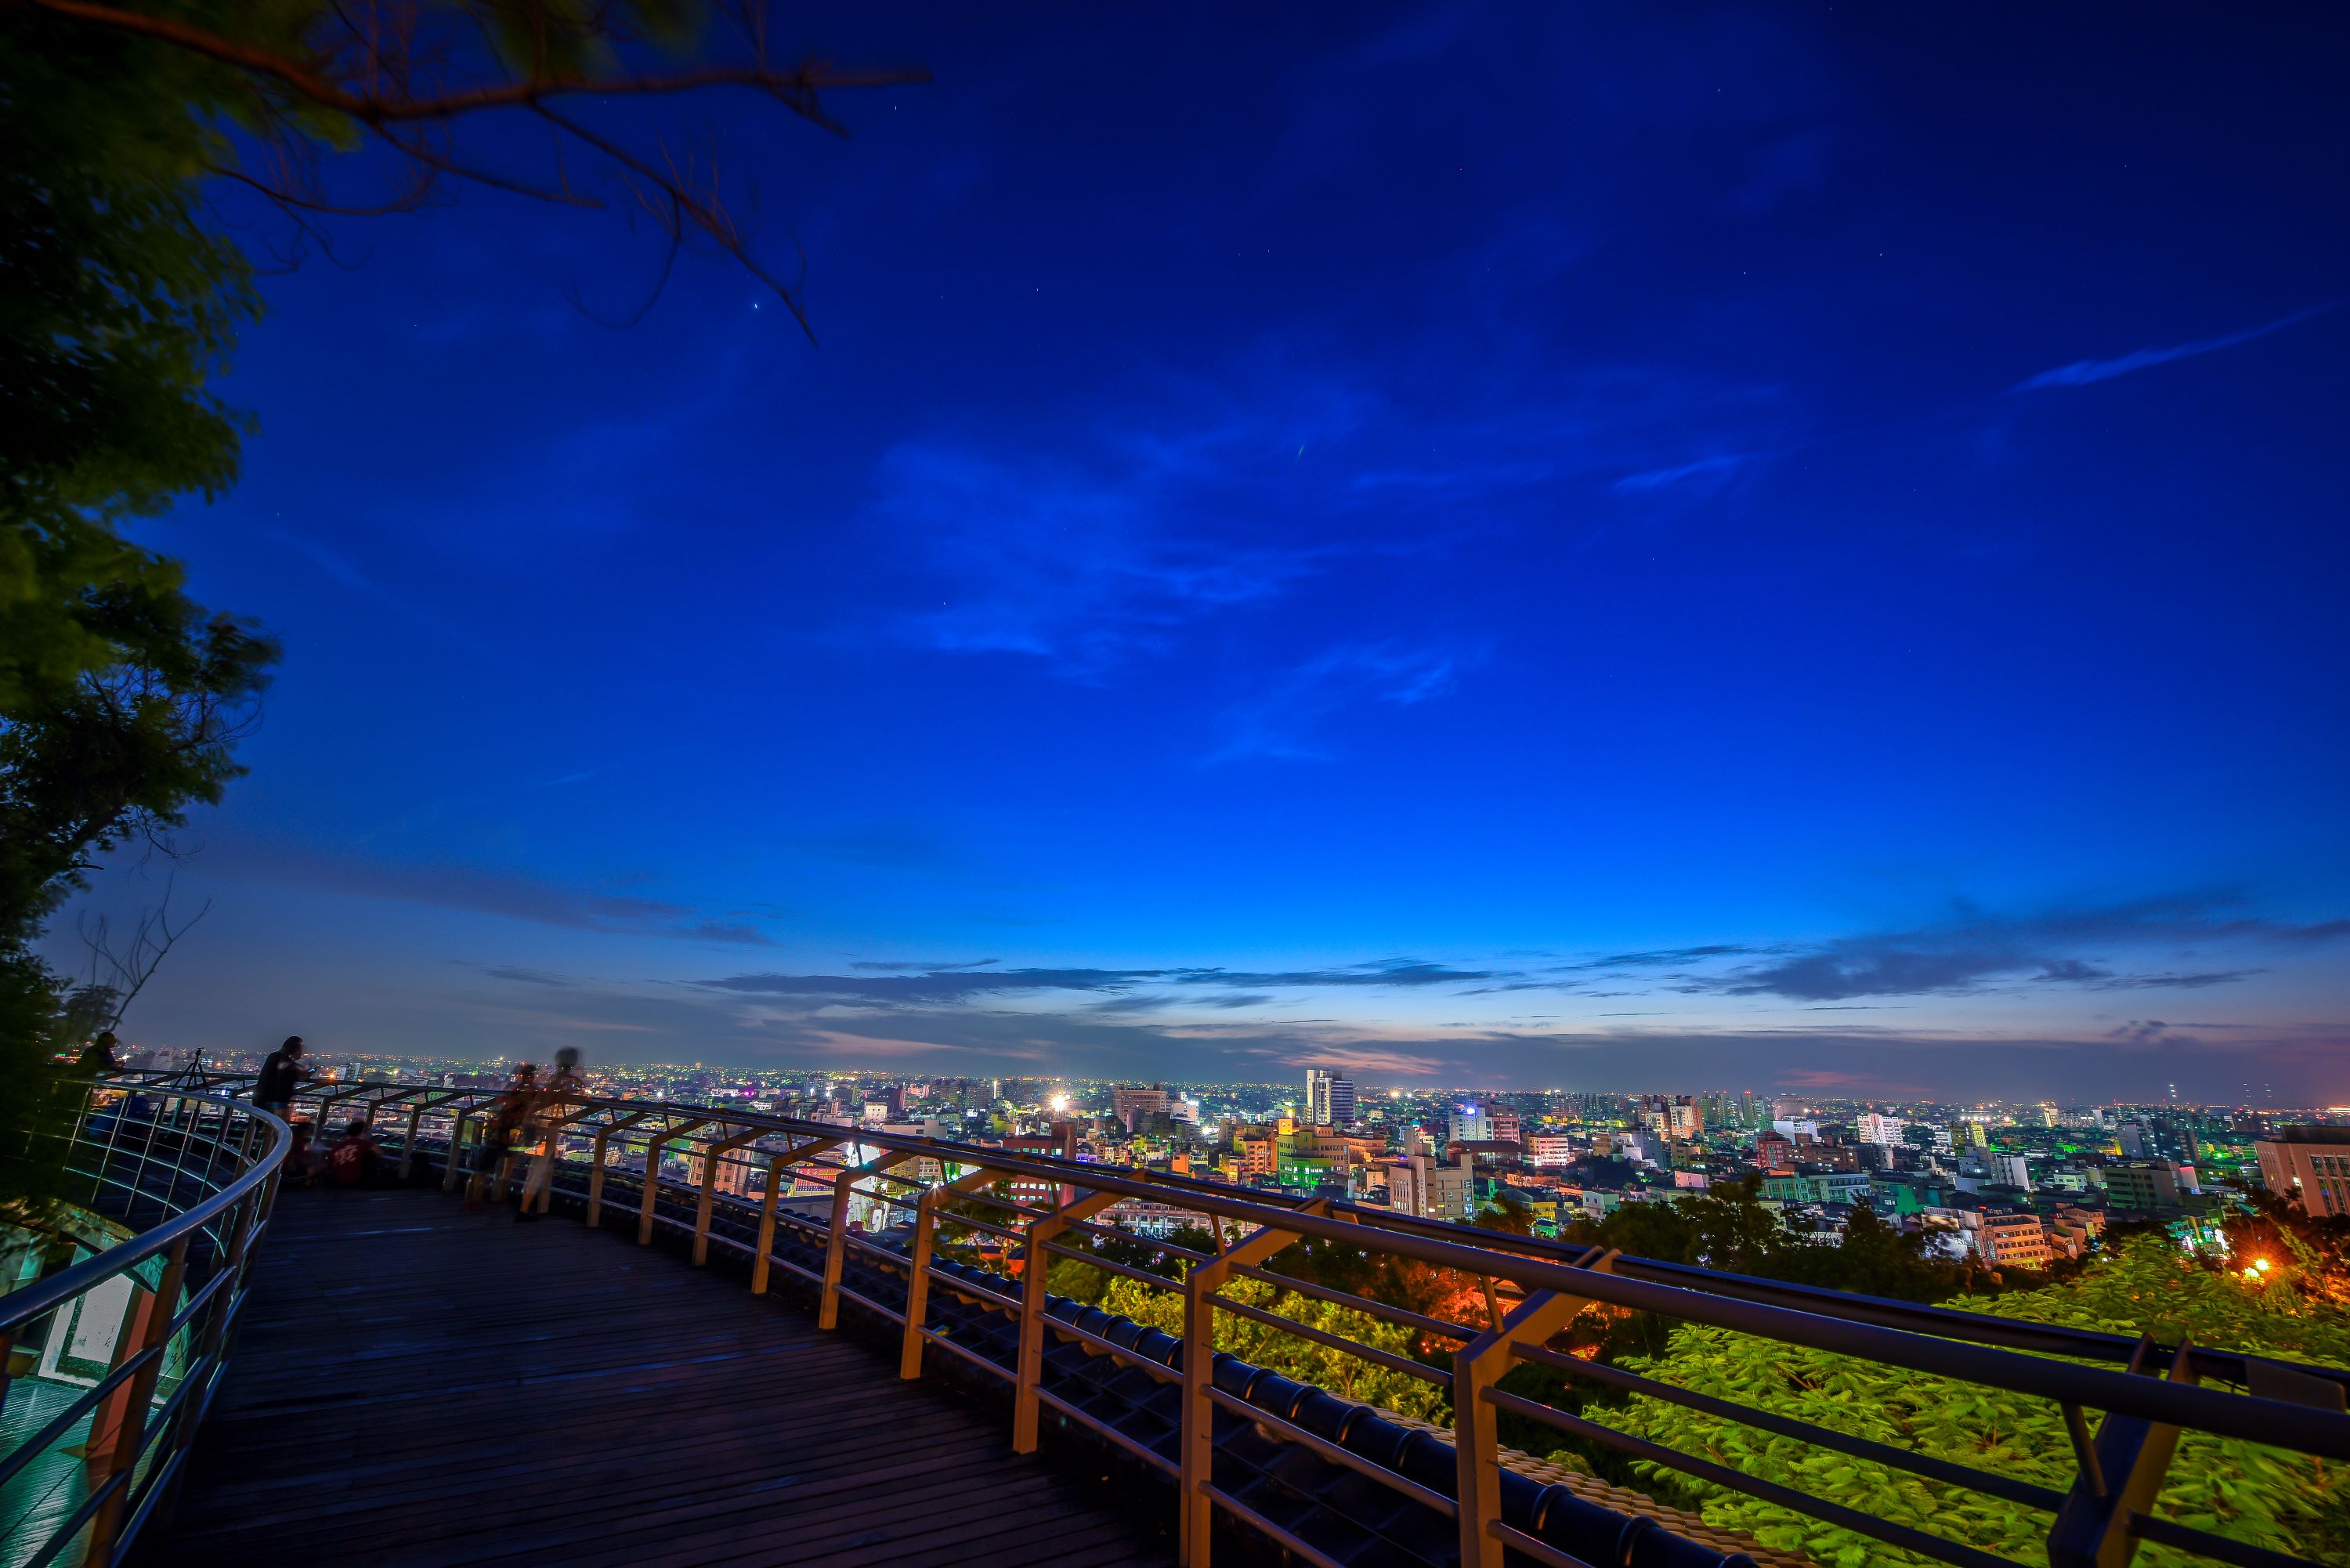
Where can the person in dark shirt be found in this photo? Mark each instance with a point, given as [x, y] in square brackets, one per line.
[355, 1158]
[98, 1056]
[281, 1073]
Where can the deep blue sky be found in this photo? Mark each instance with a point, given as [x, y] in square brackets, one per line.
[1366, 535]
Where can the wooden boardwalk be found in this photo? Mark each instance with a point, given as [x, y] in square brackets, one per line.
[415, 1385]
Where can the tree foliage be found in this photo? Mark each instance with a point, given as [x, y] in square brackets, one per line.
[1262, 1345]
[2267, 1497]
[1728, 1226]
[121, 698]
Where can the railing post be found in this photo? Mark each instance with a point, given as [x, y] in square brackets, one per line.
[708, 1199]
[1476, 1367]
[836, 1245]
[1197, 1504]
[455, 1163]
[1033, 1267]
[917, 1275]
[767, 1201]
[2121, 1476]
[550, 1158]
[776, 1165]
[408, 1148]
[596, 1169]
[652, 1194]
[121, 1421]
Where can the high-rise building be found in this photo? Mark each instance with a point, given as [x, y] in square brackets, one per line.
[2009, 1169]
[1880, 1129]
[1672, 1115]
[2308, 1165]
[1130, 1105]
[1467, 1124]
[2143, 1188]
[1551, 1148]
[1330, 1098]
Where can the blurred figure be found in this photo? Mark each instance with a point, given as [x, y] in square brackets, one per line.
[563, 1095]
[281, 1073]
[296, 1172]
[356, 1159]
[508, 1112]
[98, 1056]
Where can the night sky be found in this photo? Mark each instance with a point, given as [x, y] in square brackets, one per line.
[1776, 547]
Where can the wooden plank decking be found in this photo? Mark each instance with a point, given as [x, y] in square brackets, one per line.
[415, 1386]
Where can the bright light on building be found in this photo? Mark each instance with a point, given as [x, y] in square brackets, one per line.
[1060, 1102]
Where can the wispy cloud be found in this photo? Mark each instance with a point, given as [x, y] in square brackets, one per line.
[473, 888]
[1083, 562]
[1976, 948]
[2086, 372]
[1711, 470]
[1280, 723]
[891, 985]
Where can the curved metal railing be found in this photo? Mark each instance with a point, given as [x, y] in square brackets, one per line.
[836, 1206]
[125, 1348]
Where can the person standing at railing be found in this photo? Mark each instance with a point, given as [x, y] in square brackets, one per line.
[281, 1073]
[563, 1090]
[98, 1056]
[507, 1115]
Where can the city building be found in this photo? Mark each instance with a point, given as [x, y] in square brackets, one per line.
[2008, 1170]
[2149, 1189]
[1881, 1130]
[1330, 1098]
[2011, 1237]
[1420, 1184]
[741, 1176]
[1258, 1151]
[2308, 1165]
[1671, 1117]
[1467, 1124]
[1130, 1105]
[1551, 1148]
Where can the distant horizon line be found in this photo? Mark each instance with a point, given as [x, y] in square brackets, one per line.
[847, 1073]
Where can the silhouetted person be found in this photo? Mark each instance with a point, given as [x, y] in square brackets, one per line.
[563, 1091]
[281, 1073]
[356, 1159]
[98, 1056]
[507, 1114]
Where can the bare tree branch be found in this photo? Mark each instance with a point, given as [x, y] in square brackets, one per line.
[396, 69]
[795, 88]
[117, 975]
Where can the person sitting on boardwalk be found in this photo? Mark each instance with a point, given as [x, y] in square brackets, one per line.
[356, 1159]
[298, 1170]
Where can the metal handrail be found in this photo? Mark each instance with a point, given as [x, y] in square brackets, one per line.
[1940, 1321]
[21, 1306]
[231, 1154]
[2119, 1472]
